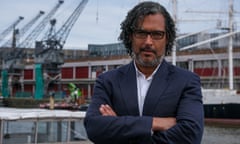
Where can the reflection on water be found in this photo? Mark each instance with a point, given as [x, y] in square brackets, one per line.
[221, 135]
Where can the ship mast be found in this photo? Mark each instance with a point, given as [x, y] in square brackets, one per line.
[230, 47]
[174, 2]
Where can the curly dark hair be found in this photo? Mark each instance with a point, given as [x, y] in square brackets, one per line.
[135, 17]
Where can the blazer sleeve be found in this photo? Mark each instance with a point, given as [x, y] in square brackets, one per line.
[119, 129]
[190, 117]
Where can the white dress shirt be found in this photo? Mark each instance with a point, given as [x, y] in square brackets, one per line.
[143, 84]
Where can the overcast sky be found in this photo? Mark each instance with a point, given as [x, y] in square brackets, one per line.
[99, 23]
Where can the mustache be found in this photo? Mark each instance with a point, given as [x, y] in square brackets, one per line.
[148, 49]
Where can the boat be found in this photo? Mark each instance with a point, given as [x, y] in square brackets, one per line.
[221, 103]
[41, 126]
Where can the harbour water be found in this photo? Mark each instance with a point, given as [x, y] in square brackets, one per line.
[215, 134]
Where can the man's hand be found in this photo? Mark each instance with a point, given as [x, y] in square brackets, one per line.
[106, 110]
[162, 124]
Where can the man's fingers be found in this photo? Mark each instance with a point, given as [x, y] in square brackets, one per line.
[110, 110]
[106, 110]
[103, 110]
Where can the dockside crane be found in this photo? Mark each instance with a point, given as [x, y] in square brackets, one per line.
[31, 38]
[21, 32]
[13, 63]
[7, 32]
[10, 28]
[13, 57]
[49, 55]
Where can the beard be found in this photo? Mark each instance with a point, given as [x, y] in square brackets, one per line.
[155, 62]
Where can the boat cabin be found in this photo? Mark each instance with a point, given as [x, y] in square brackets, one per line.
[41, 126]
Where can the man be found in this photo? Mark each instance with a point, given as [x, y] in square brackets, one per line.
[147, 101]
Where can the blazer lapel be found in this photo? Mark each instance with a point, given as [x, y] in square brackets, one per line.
[159, 84]
[128, 88]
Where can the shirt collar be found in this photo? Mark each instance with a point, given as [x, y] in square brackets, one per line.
[139, 73]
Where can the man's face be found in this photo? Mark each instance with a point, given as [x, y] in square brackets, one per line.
[149, 41]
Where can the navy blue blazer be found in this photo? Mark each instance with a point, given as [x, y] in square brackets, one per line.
[174, 92]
